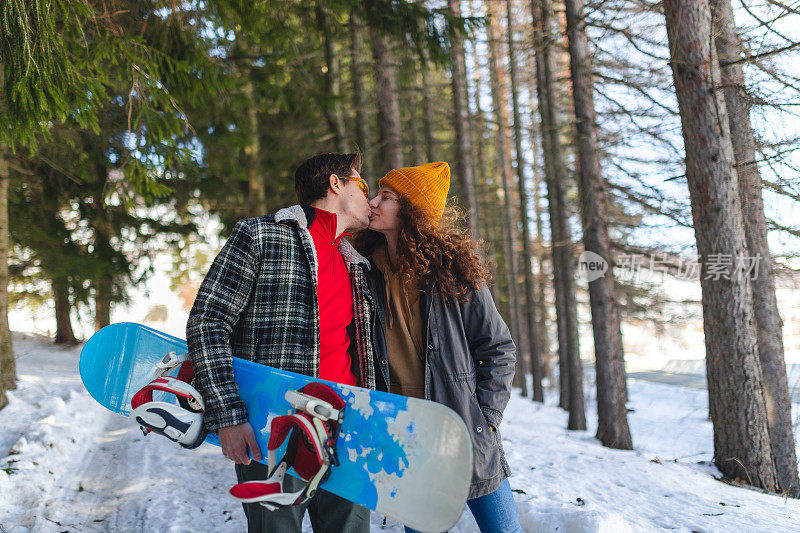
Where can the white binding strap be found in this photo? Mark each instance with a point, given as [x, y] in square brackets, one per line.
[314, 406]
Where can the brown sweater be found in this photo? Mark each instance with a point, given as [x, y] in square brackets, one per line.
[404, 335]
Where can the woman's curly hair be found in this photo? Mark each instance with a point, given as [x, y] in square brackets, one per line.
[433, 253]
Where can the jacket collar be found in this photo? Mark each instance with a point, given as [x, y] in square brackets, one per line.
[302, 217]
[295, 214]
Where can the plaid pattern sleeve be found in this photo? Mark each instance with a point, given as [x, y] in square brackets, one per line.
[221, 300]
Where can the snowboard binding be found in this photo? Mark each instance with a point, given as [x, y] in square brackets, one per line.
[311, 449]
[181, 422]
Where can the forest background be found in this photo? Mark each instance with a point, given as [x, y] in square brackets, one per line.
[655, 140]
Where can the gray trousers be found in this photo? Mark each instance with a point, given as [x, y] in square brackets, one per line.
[329, 513]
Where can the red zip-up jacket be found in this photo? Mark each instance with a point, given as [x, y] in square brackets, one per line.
[335, 295]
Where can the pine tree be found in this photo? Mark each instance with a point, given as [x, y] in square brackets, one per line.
[768, 321]
[571, 372]
[503, 158]
[526, 255]
[464, 165]
[612, 428]
[742, 446]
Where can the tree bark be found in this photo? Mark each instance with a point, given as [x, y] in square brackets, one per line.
[542, 334]
[8, 369]
[463, 164]
[102, 301]
[388, 106]
[560, 233]
[612, 427]
[485, 200]
[257, 195]
[409, 100]
[742, 447]
[769, 326]
[503, 153]
[333, 109]
[360, 98]
[64, 333]
[535, 361]
[427, 108]
[103, 252]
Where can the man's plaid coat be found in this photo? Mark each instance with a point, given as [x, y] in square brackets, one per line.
[259, 302]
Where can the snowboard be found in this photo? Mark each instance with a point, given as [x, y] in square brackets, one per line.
[405, 458]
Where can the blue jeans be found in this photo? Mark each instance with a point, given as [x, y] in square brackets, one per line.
[494, 512]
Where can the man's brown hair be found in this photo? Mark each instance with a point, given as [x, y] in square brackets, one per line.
[311, 179]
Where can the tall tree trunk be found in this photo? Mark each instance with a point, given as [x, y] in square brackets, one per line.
[388, 106]
[257, 195]
[765, 304]
[427, 101]
[360, 97]
[612, 427]
[64, 333]
[333, 109]
[8, 369]
[561, 235]
[543, 335]
[102, 301]
[461, 122]
[527, 254]
[540, 287]
[503, 149]
[409, 100]
[427, 108]
[485, 200]
[102, 253]
[742, 447]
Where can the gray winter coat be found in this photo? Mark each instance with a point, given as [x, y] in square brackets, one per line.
[469, 365]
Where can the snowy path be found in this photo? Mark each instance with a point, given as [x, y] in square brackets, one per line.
[67, 465]
[124, 485]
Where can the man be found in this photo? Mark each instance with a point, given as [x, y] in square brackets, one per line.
[288, 292]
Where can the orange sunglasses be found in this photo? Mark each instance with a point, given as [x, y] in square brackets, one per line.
[361, 182]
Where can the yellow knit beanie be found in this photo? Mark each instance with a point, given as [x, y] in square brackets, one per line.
[424, 186]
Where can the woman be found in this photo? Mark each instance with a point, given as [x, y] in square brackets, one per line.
[438, 334]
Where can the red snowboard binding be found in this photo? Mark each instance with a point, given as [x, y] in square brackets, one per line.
[312, 433]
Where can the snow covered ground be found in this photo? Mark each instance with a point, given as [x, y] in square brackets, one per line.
[66, 464]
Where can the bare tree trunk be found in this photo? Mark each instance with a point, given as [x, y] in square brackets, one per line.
[503, 149]
[64, 333]
[742, 447]
[102, 253]
[527, 254]
[612, 427]
[427, 102]
[561, 235]
[409, 120]
[427, 108]
[388, 106]
[542, 335]
[333, 108]
[768, 321]
[485, 201]
[8, 369]
[461, 122]
[257, 195]
[360, 97]
[102, 301]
